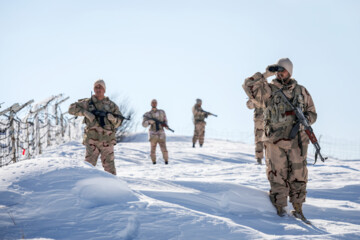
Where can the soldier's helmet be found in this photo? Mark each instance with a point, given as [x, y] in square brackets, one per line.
[198, 101]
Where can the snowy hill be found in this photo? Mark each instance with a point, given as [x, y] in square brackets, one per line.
[216, 192]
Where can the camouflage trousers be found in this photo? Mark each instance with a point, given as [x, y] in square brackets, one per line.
[259, 145]
[161, 140]
[286, 171]
[199, 132]
[95, 148]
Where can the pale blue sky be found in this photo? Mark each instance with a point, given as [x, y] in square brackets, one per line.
[177, 51]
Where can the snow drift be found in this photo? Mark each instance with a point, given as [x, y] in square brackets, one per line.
[216, 192]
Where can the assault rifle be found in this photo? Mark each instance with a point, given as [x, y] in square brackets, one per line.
[308, 129]
[101, 115]
[209, 113]
[157, 122]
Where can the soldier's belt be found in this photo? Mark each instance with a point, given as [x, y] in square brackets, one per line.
[289, 113]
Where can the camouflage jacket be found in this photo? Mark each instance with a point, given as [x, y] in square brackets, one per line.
[279, 118]
[157, 114]
[93, 130]
[198, 114]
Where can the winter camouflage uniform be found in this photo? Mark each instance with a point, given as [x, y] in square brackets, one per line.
[258, 129]
[156, 133]
[285, 157]
[98, 140]
[199, 122]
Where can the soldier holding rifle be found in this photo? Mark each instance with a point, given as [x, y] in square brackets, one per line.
[285, 142]
[102, 117]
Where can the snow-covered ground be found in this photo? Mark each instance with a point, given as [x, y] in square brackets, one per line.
[214, 192]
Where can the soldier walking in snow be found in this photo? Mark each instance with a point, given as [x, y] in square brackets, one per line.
[102, 117]
[258, 130]
[157, 121]
[285, 146]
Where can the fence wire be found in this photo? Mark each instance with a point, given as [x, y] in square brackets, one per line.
[25, 138]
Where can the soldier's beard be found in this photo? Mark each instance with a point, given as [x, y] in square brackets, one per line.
[284, 80]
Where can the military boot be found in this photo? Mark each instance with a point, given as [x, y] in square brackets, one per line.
[200, 145]
[279, 209]
[259, 161]
[297, 212]
[193, 145]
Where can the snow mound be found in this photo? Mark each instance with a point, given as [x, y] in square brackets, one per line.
[94, 192]
[143, 137]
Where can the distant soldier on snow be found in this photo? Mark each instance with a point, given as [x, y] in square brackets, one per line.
[199, 116]
[258, 130]
[199, 123]
[101, 117]
[285, 149]
[157, 121]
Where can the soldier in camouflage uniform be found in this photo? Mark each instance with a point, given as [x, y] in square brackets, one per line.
[199, 122]
[285, 154]
[156, 131]
[99, 136]
[258, 130]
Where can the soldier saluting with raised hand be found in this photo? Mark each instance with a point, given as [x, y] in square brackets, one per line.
[286, 145]
[102, 117]
[156, 119]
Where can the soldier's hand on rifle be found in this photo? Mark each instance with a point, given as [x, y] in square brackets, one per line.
[306, 114]
[268, 73]
[151, 122]
[89, 116]
[111, 118]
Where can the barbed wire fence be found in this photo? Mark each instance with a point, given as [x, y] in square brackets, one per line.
[24, 135]
[42, 126]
